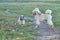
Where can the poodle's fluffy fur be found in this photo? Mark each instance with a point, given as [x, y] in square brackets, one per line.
[40, 17]
[48, 17]
[21, 21]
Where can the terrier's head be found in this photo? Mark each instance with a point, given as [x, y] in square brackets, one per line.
[21, 17]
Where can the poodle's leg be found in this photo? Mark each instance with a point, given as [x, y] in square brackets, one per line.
[52, 27]
[37, 27]
[37, 24]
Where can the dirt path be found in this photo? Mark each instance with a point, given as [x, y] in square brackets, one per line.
[44, 33]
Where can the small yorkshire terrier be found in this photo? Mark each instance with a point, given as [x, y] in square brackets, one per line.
[21, 19]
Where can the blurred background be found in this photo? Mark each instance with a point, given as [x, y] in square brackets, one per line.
[10, 11]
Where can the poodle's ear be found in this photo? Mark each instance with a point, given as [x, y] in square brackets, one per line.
[33, 13]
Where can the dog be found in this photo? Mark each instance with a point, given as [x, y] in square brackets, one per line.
[21, 19]
[38, 16]
[48, 17]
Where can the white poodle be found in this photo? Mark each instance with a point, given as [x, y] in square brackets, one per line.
[40, 17]
[48, 17]
[21, 19]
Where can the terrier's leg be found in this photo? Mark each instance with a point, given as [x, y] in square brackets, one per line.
[19, 22]
[23, 21]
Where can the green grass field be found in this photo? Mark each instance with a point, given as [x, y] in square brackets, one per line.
[8, 22]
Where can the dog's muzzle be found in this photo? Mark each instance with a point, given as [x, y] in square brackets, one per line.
[33, 14]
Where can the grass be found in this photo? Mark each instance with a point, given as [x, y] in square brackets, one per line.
[8, 22]
[23, 34]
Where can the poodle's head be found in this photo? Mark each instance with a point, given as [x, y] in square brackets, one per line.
[36, 11]
[48, 11]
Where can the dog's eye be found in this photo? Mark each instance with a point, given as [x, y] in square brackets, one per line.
[35, 13]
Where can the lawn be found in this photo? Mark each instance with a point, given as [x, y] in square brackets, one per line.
[9, 27]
